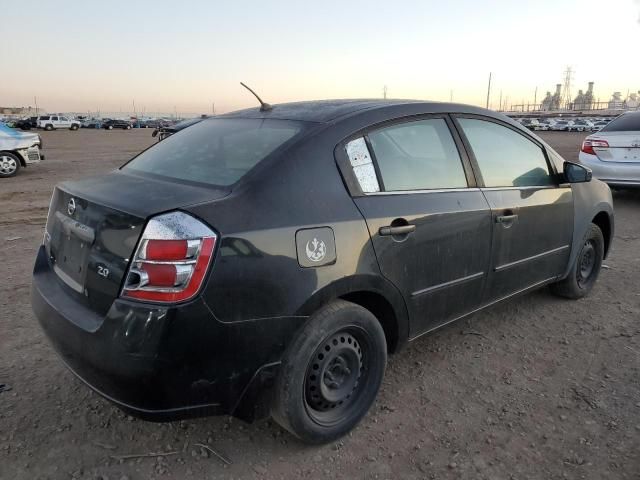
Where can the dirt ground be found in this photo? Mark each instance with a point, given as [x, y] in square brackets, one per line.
[535, 388]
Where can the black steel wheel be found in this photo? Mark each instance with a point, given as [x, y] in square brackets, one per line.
[331, 373]
[335, 375]
[586, 267]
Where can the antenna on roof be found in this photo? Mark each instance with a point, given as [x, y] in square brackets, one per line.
[264, 107]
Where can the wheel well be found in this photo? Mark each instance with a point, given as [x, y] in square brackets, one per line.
[382, 309]
[604, 224]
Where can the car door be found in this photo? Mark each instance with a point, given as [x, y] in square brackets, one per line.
[532, 214]
[429, 224]
[64, 122]
[55, 121]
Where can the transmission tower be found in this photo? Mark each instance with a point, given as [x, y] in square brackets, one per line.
[565, 100]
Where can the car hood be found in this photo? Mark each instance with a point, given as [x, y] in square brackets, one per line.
[11, 139]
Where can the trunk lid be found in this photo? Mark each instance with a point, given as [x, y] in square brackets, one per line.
[94, 225]
[623, 147]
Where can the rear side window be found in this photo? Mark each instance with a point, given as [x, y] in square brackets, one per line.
[215, 151]
[418, 155]
[505, 157]
[44, 118]
[629, 122]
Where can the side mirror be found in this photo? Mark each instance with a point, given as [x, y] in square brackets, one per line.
[154, 133]
[576, 173]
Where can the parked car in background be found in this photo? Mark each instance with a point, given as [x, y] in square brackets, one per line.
[23, 124]
[561, 125]
[168, 130]
[530, 123]
[57, 122]
[92, 123]
[580, 125]
[600, 125]
[111, 124]
[17, 149]
[267, 260]
[613, 153]
[543, 124]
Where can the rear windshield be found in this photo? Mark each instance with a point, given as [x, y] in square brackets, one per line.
[629, 122]
[215, 151]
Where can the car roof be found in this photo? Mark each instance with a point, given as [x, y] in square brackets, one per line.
[324, 111]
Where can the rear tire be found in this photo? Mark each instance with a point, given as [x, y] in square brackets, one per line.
[110, 127]
[9, 164]
[74, 127]
[585, 269]
[331, 373]
[48, 127]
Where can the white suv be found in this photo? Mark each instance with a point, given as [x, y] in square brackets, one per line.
[51, 122]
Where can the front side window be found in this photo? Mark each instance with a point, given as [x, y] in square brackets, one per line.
[418, 155]
[215, 151]
[54, 118]
[505, 157]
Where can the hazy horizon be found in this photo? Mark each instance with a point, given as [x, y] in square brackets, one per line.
[81, 56]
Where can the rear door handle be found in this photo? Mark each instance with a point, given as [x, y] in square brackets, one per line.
[399, 230]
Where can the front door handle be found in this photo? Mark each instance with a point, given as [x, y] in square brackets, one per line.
[396, 230]
[506, 218]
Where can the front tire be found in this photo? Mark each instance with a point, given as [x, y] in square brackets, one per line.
[586, 267]
[48, 128]
[331, 373]
[9, 164]
[74, 127]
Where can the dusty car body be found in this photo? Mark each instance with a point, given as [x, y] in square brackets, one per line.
[18, 149]
[264, 262]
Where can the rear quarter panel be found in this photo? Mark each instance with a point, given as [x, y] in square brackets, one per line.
[256, 273]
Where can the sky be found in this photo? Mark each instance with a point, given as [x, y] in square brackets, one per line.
[186, 55]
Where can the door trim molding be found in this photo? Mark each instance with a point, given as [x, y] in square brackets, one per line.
[505, 266]
[486, 305]
[450, 283]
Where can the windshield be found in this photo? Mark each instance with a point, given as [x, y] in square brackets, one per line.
[628, 122]
[216, 151]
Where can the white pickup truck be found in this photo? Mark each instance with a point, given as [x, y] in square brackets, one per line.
[55, 122]
[17, 149]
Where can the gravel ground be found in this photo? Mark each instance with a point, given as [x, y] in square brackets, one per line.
[537, 387]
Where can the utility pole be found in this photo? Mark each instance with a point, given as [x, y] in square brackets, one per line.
[500, 105]
[489, 90]
[384, 92]
[213, 108]
[535, 97]
[35, 100]
[566, 90]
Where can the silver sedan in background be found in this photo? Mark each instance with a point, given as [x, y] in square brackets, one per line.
[613, 153]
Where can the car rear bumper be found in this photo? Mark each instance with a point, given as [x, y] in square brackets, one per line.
[617, 174]
[162, 363]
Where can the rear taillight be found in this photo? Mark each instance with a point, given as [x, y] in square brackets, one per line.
[172, 259]
[589, 144]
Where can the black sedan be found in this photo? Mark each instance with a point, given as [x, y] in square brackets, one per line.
[265, 262]
[111, 124]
